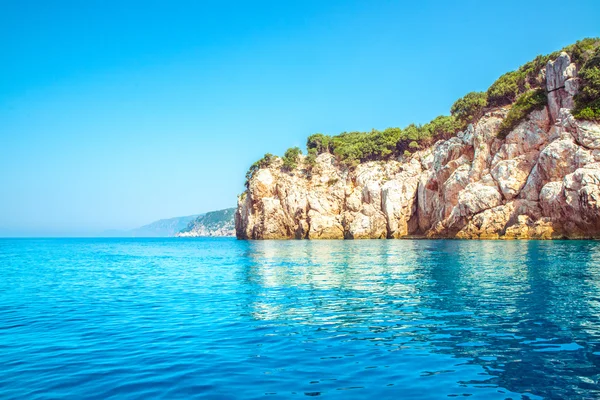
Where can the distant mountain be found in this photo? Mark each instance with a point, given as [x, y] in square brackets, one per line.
[163, 227]
[215, 223]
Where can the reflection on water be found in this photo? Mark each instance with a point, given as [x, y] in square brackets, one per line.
[143, 318]
[526, 313]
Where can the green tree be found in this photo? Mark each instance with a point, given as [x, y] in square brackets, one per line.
[523, 88]
[587, 101]
[321, 143]
[469, 107]
[411, 132]
[290, 158]
[442, 126]
[582, 50]
[506, 88]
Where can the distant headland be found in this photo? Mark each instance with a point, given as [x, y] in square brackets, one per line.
[218, 223]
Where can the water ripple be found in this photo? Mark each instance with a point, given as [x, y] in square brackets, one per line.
[220, 318]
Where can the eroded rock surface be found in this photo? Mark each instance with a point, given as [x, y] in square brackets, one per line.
[541, 181]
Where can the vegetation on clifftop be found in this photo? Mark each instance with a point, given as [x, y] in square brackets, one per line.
[262, 163]
[587, 101]
[290, 158]
[470, 107]
[523, 88]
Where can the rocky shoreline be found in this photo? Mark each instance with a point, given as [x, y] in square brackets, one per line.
[542, 181]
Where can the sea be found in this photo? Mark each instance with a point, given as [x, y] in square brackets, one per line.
[218, 318]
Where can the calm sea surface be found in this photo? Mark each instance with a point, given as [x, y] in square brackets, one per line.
[220, 318]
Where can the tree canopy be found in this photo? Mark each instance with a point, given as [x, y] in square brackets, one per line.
[523, 88]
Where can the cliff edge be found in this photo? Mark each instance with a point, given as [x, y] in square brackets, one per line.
[540, 179]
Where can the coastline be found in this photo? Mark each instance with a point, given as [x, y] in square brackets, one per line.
[538, 180]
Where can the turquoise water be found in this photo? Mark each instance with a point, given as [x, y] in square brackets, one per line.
[220, 318]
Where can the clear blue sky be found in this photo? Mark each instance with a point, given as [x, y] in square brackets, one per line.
[117, 113]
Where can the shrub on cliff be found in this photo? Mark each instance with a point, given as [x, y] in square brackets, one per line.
[469, 107]
[525, 104]
[311, 157]
[587, 101]
[262, 163]
[441, 127]
[412, 133]
[384, 143]
[582, 50]
[524, 88]
[290, 158]
[352, 148]
[321, 143]
[532, 70]
[509, 86]
[506, 89]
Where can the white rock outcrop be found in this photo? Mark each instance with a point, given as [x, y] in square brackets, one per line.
[541, 181]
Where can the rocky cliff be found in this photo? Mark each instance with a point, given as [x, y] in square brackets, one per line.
[542, 180]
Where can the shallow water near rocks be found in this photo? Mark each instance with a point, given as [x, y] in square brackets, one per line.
[221, 318]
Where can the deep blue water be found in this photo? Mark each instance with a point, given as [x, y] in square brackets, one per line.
[220, 318]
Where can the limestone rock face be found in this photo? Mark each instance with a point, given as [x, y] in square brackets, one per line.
[561, 84]
[573, 204]
[542, 181]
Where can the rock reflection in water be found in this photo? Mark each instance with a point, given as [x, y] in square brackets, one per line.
[522, 315]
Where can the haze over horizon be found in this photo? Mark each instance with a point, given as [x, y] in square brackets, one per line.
[115, 115]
